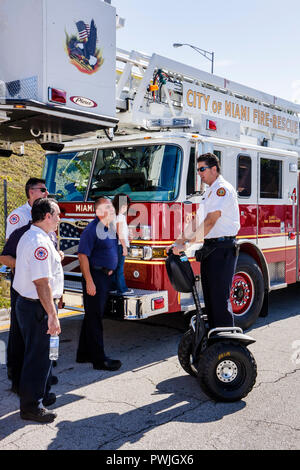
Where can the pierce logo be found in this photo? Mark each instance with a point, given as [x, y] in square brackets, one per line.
[81, 101]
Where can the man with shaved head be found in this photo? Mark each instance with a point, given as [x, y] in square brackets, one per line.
[98, 257]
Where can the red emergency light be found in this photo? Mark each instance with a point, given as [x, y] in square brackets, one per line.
[158, 303]
[211, 125]
[57, 96]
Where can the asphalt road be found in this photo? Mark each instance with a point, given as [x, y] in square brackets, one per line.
[152, 404]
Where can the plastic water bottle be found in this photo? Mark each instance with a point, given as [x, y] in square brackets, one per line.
[54, 346]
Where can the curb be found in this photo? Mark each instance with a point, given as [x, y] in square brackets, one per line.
[4, 314]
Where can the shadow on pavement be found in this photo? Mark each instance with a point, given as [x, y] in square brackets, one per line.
[139, 345]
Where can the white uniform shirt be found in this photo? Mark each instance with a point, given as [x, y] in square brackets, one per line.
[125, 230]
[36, 259]
[17, 218]
[221, 196]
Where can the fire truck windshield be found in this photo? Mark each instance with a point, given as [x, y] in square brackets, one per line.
[148, 172]
[67, 174]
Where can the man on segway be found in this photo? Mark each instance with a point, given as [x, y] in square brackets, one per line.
[220, 223]
[213, 349]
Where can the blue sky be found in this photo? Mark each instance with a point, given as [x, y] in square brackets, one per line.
[256, 43]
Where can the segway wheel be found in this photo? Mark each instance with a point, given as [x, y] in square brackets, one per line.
[226, 371]
[185, 356]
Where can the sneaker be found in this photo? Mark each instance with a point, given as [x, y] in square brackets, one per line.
[41, 415]
[49, 399]
[108, 364]
[128, 291]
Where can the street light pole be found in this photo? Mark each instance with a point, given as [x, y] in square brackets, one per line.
[209, 55]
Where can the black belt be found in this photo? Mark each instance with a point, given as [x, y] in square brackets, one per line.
[219, 239]
[38, 300]
[31, 300]
[102, 269]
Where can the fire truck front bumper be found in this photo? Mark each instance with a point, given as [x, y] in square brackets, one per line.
[138, 305]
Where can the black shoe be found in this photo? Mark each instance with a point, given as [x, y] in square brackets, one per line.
[41, 415]
[53, 380]
[82, 359]
[49, 399]
[108, 364]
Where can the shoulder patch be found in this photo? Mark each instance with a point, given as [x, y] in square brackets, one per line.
[221, 192]
[41, 253]
[14, 219]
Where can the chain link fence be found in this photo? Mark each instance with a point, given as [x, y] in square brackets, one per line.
[12, 195]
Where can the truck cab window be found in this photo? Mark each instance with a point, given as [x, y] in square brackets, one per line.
[218, 154]
[190, 182]
[270, 178]
[244, 176]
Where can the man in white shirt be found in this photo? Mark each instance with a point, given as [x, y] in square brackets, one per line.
[39, 283]
[35, 188]
[218, 224]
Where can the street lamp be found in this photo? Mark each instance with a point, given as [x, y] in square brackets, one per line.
[209, 55]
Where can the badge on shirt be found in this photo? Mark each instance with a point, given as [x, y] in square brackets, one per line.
[221, 192]
[41, 253]
[14, 219]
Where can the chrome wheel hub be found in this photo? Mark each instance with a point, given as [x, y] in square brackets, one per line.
[227, 371]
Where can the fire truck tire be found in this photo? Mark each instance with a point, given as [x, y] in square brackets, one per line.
[227, 371]
[185, 353]
[247, 292]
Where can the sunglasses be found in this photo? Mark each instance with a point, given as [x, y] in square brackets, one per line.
[203, 168]
[43, 190]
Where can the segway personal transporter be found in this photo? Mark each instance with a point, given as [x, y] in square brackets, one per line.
[219, 358]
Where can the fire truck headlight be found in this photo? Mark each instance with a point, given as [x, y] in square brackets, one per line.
[135, 252]
[147, 252]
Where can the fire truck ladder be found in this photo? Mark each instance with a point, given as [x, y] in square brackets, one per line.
[150, 91]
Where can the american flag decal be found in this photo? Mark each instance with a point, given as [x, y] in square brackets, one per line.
[82, 48]
[83, 30]
[69, 238]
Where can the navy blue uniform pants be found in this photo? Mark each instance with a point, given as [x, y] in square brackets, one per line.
[91, 346]
[16, 346]
[118, 277]
[217, 271]
[36, 370]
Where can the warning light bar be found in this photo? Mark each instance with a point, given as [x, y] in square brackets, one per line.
[57, 96]
[170, 122]
[211, 125]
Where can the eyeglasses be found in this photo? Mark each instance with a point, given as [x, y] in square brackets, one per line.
[43, 190]
[203, 168]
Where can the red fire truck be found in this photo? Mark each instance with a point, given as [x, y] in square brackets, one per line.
[169, 113]
[143, 139]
